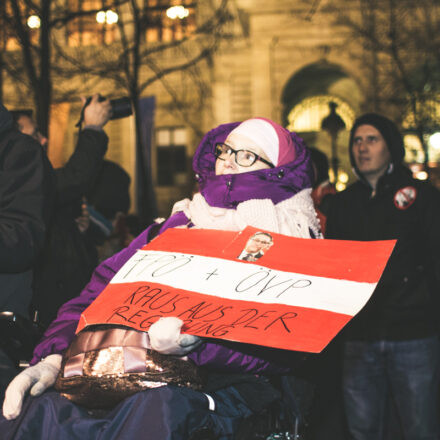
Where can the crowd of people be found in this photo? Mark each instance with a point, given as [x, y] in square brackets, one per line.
[378, 379]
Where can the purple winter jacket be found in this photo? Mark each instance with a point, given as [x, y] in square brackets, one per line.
[225, 191]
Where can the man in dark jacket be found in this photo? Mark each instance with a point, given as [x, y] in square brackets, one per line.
[69, 258]
[391, 346]
[25, 207]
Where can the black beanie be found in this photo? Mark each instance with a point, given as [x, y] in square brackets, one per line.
[389, 131]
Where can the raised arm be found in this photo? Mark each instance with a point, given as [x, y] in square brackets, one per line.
[75, 178]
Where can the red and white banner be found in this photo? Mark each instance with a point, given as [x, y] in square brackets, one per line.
[294, 293]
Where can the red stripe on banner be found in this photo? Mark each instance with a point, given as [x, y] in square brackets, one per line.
[340, 259]
[138, 305]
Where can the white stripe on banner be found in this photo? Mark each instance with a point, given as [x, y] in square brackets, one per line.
[243, 281]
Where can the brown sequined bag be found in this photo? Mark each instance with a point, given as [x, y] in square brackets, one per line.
[105, 364]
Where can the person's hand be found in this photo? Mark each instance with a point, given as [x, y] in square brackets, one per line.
[83, 221]
[165, 337]
[36, 379]
[97, 113]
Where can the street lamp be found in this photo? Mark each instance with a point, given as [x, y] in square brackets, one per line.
[333, 124]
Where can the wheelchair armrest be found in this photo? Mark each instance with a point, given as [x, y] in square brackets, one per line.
[19, 336]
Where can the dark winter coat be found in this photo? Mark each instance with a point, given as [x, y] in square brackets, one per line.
[405, 302]
[25, 207]
[69, 257]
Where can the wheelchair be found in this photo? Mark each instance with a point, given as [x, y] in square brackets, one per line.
[287, 419]
[19, 337]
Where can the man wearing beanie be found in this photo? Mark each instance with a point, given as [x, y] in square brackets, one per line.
[391, 347]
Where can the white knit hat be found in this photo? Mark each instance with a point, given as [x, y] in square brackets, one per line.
[270, 137]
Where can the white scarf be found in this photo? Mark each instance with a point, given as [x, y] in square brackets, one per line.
[295, 216]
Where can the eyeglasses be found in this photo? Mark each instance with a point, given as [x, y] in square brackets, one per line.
[244, 158]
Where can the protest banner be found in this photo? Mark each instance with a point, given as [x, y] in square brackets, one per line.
[249, 286]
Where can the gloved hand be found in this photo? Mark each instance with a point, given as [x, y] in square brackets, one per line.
[165, 337]
[37, 378]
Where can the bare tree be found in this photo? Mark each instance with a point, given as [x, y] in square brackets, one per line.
[44, 60]
[122, 61]
[33, 62]
[401, 50]
[32, 67]
[133, 64]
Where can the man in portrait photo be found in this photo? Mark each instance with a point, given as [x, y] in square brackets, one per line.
[256, 246]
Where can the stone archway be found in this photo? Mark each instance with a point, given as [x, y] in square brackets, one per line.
[306, 97]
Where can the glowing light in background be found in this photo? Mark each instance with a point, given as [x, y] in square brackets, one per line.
[343, 177]
[342, 180]
[177, 12]
[340, 186]
[100, 17]
[109, 17]
[434, 140]
[308, 114]
[34, 22]
[421, 175]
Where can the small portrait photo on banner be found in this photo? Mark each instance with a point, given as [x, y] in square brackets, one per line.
[257, 245]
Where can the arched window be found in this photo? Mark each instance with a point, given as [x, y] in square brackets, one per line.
[309, 113]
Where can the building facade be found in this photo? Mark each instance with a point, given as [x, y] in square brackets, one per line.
[281, 59]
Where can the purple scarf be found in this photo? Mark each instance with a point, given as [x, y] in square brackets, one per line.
[227, 191]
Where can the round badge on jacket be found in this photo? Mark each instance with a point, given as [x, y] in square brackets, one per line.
[405, 197]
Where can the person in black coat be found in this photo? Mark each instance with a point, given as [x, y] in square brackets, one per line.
[391, 347]
[69, 258]
[26, 198]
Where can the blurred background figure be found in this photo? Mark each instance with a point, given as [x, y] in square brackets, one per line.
[110, 193]
[323, 189]
[108, 205]
[25, 123]
[69, 255]
[326, 416]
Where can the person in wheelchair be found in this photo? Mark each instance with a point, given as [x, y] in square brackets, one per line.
[252, 173]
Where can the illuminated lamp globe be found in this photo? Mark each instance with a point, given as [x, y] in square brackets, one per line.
[421, 175]
[100, 17]
[434, 140]
[177, 12]
[343, 177]
[111, 17]
[34, 22]
[340, 186]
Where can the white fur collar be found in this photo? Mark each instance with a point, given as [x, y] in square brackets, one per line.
[295, 216]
